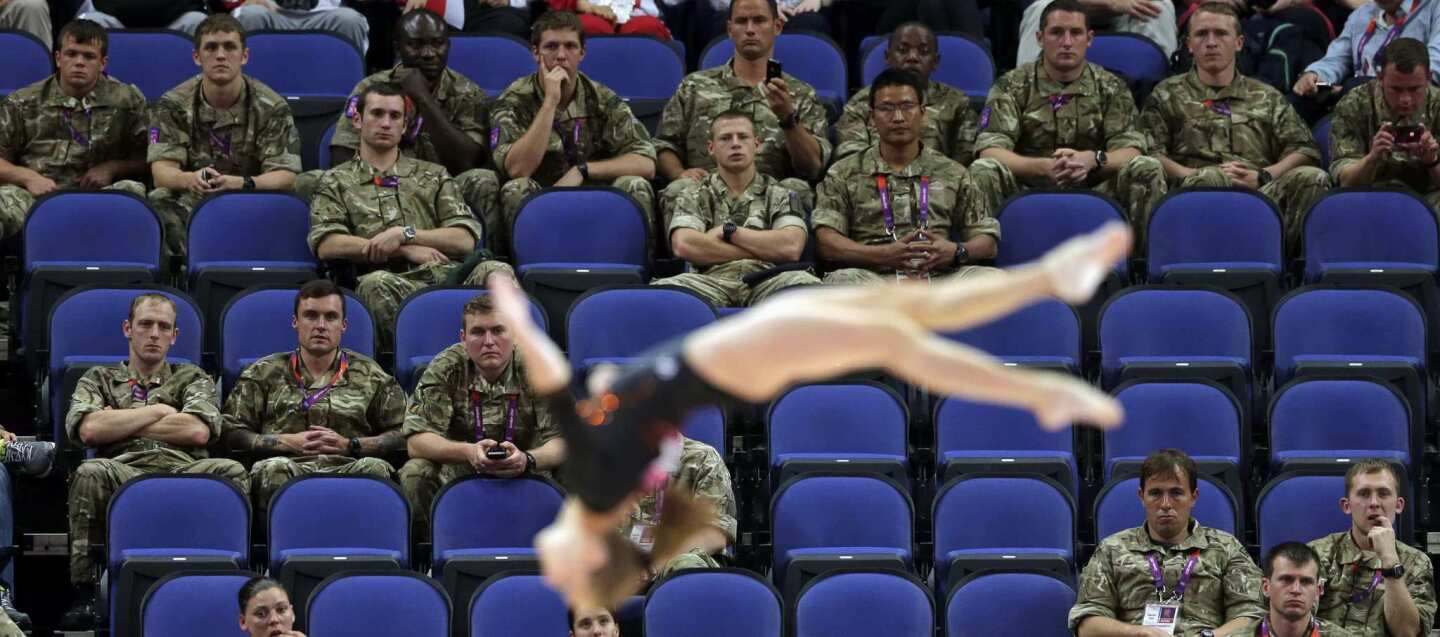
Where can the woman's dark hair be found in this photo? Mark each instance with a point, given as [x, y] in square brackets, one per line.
[254, 587]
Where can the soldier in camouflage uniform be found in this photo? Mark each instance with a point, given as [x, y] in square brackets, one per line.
[452, 124]
[1292, 585]
[1375, 585]
[447, 439]
[318, 409]
[1063, 122]
[702, 475]
[877, 221]
[789, 118]
[559, 128]
[77, 128]
[735, 221]
[1216, 127]
[1364, 149]
[402, 216]
[143, 416]
[1222, 592]
[218, 131]
[950, 122]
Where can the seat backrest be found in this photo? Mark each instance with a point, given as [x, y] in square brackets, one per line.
[91, 227]
[249, 226]
[861, 603]
[86, 323]
[305, 63]
[1322, 138]
[1046, 329]
[713, 603]
[821, 511]
[964, 63]
[1346, 322]
[1131, 56]
[1172, 322]
[618, 322]
[508, 605]
[1299, 507]
[429, 321]
[962, 425]
[187, 604]
[811, 57]
[634, 66]
[707, 424]
[1214, 226]
[178, 512]
[1046, 600]
[1036, 221]
[838, 419]
[26, 60]
[1118, 507]
[256, 324]
[1399, 228]
[322, 153]
[155, 61]
[339, 511]
[492, 61]
[1199, 418]
[1020, 512]
[483, 512]
[390, 603]
[603, 225]
[1340, 415]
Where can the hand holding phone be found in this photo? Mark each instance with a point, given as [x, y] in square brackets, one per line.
[773, 70]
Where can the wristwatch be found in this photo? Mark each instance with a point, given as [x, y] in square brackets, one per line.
[1394, 572]
[409, 233]
[1101, 158]
[354, 447]
[249, 183]
[1207, 633]
[728, 234]
[584, 168]
[1263, 177]
[529, 462]
[790, 122]
[962, 254]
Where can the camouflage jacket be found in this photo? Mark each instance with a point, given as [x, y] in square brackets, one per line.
[445, 400]
[765, 205]
[183, 386]
[62, 137]
[595, 125]
[364, 401]
[460, 98]
[1347, 570]
[355, 199]
[950, 124]
[256, 135]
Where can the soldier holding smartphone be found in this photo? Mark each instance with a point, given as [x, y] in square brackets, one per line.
[1382, 130]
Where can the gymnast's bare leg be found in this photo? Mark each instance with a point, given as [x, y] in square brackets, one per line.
[820, 333]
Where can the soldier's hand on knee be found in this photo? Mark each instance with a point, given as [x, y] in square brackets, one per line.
[40, 185]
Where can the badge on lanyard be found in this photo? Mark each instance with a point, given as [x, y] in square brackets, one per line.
[1165, 613]
[643, 534]
[1163, 616]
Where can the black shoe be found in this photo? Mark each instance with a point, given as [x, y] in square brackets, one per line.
[30, 458]
[7, 604]
[81, 615]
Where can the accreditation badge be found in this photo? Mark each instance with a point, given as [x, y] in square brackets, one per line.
[1162, 616]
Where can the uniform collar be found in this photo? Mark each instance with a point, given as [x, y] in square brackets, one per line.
[329, 372]
[1085, 85]
[56, 97]
[507, 383]
[364, 173]
[872, 164]
[1199, 539]
[753, 190]
[1232, 91]
[1350, 553]
[158, 378]
[579, 103]
[235, 114]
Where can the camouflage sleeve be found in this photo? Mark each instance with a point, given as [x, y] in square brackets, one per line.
[963, 131]
[346, 135]
[1420, 580]
[674, 121]
[245, 406]
[999, 120]
[1153, 123]
[712, 483]
[12, 130]
[451, 211]
[203, 401]
[975, 208]
[1349, 139]
[832, 203]
[430, 407]
[169, 134]
[1097, 596]
[1241, 583]
[691, 208]
[1122, 119]
[547, 428]
[138, 112]
[506, 128]
[788, 212]
[812, 117]
[624, 134]
[327, 212]
[1292, 133]
[278, 142]
[387, 408]
[88, 398]
[853, 128]
[471, 116]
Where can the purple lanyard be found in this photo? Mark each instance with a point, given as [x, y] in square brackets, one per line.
[76, 135]
[1363, 66]
[1221, 107]
[1265, 627]
[883, 186]
[477, 407]
[572, 145]
[1359, 595]
[310, 398]
[221, 144]
[1180, 584]
[141, 393]
[1059, 100]
[415, 127]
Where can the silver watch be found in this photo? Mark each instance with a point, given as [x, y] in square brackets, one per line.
[409, 233]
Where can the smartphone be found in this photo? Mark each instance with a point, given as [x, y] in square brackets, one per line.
[497, 453]
[1406, 134]
[1324, 86]
[772, 70]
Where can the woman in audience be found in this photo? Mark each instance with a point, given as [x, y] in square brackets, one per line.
[265, 609]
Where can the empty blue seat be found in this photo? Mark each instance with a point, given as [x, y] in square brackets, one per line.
[636, 67]
[618, 324]
[1299, 507]
[397, 603]
[1118, 507]
[185, 604]
[1035, 222]
[154, 61]
[838, 426]
[305, 64]
[713, 603]
[517, 605]
[254, 325]
[1325, 421]
[493, 61]
[1214, 231]
[430, 321]
[1133, 57]
[708, 425]
[1398, 245]
[605, 229]
[964, 63]
[973, 605]
[1198, 417]
[1043, 334]
[973, 437]
[823, 522]
[810, 57]
[26, 61]
[860, 603]
[1029, 523]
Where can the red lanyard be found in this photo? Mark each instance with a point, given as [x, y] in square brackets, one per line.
[1363, 66]
[889, 214]
[310, 398]
[478, 409]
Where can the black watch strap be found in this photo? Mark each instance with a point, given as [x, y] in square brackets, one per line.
[584, 168]
[529, 462]
[249, 183]
[1394, 572]
[355, 447]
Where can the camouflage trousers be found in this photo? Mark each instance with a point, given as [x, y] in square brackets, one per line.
[8, 627]
[175, 207]
[861, 276]
[1138, 186]
[15, 202]
[479, 187]
[420, 481]
[94, 481]
[384, 291]
[268, 475]
[514, 192]
[805, 196]
[1293, 193]
[684, 561]
[724, 291]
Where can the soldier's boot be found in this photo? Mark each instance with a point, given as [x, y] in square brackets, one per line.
[30, 459]
[81, 616]
[7, 604]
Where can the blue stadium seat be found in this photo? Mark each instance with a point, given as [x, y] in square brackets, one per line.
[1322, 138]
[972, 437]
[26, 60]
[1118, 507]
[1167, 332]
[823, 522]
[1351, 333]
[1136, 59]
[708, 425]
[964, 63]
[429, 321]
[82, 238]
[1328, 421]
[305, 64]
[640, 69]
[1398, 245]
[614, 325]
[154, 60]
[85, 329]
[810, 57]
[482, 526]
[493, 61]
[1300, 507]
[850, 427]
[1198, 417]
[865, 603]
[713, 603]
[154, 519]
[189, 603]
[1038, 220]
[322, 152]
[256, 324]
[1029, 525]
[516, 605]
[1045, 334]
[398, 603]
[242, 239]
[325, 524]
[972, 606]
